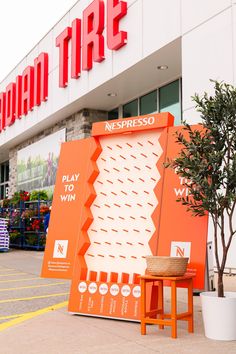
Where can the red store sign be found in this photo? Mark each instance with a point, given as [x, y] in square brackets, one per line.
[87, 46]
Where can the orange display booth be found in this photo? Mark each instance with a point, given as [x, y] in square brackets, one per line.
[114, 203]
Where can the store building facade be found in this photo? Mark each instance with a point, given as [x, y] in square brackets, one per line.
[110, 59]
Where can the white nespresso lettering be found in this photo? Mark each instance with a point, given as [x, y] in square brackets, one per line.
[129, 123]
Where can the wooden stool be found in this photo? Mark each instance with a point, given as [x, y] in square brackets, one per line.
[166, 319]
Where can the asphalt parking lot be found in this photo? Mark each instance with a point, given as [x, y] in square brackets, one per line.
[23, 294]
[34, 319]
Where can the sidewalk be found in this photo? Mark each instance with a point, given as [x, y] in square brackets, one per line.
[58, 332]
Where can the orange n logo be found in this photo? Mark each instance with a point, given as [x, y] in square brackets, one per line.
[60, 248]
[179, 251]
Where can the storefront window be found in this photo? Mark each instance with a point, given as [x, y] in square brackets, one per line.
[4, 179]
[114, 114]
[169, 100]
[130, 109]
[148, 103]
[164, 99]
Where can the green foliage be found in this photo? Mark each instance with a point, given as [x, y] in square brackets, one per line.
[39, 195]
[15, 238]
[18, 197]
[6, 203]
[208, 162]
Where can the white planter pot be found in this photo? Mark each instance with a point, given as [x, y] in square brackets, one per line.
[219, 315]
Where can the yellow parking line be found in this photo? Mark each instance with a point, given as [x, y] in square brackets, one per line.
[6, 269]
[31, 286]
[3, 267]
[29, 315]
[12, 274]
[14, 280]
[31, 298]
[10, 316]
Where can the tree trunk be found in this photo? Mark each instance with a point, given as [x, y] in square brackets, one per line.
[220, 284]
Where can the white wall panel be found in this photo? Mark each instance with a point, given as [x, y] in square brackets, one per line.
[101, 72]
[195, 12]
[46, 45]
[207, 54]
[78, 87]
[161, 24]
[21, 67]
[191, 116]
[10, 78]
[31, 118]
[32, 55]
[12, 75]
[45, 109]
[130, 2]
[56, 31]
[77, 9]
[60, 96]
[234, 43]
[132, 52]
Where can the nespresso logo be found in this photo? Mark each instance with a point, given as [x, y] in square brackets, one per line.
[129, 123]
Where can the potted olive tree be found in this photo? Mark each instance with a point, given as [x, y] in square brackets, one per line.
[208, 163]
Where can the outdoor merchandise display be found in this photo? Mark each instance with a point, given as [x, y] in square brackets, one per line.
[115, 203]
[4, 236]
[26, 217]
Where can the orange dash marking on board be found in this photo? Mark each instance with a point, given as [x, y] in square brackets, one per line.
[117, 205]
[97, 206]
[109, 181]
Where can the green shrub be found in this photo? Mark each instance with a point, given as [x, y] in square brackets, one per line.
[39, 195]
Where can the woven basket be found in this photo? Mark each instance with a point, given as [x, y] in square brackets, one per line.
[166, 266]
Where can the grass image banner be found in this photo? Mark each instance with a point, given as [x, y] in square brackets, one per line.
[37, 163]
